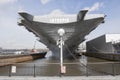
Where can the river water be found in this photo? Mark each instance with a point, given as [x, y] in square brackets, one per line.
[82, 66]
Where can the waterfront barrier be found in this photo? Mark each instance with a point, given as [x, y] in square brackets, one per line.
[42, 69]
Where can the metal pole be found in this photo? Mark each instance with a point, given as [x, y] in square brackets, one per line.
[113, 68]
[61, 53]
[34, 71]
[9, 70]
[61, 32]
[86, 70]
[34, 45]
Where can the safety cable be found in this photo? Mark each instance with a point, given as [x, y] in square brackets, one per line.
[82, 63]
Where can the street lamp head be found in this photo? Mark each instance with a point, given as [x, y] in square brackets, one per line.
[61, 31]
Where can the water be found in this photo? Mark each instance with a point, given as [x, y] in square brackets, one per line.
[83, 66]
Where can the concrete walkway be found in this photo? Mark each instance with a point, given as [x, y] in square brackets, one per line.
[63, 78]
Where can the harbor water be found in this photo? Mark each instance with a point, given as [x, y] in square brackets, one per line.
[48, 66]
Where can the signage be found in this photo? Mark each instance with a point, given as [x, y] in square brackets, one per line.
[13, 69]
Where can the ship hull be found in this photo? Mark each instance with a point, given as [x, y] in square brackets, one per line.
[76, 28]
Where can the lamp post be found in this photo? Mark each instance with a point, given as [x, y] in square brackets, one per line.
[61, 33]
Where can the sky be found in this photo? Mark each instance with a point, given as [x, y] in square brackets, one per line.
[13, 36]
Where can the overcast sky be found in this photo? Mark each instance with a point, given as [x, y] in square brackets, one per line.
[14, 36]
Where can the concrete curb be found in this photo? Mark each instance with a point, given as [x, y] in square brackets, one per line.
[62, 78]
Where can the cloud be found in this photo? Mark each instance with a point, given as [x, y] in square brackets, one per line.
[95, 7]
[57, 12]
[44, 1]
[21, 9]
[2, 2]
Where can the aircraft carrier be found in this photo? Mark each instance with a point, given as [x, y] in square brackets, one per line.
[76, 27]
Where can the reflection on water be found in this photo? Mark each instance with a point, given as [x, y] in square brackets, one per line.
[51, 67]
[83, 60]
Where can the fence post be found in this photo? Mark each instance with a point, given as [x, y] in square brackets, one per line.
[113, 65]
[113, 69]
[34, 71]
[9, 70]
[86, 70]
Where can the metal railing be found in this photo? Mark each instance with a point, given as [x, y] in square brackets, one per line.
[53, 69]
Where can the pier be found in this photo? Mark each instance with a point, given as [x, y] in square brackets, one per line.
[12, 59]
[47, 68]
[63, 78]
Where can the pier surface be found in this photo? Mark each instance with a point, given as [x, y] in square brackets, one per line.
[63, 78]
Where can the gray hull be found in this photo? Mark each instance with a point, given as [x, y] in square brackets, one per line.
[76, 28]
